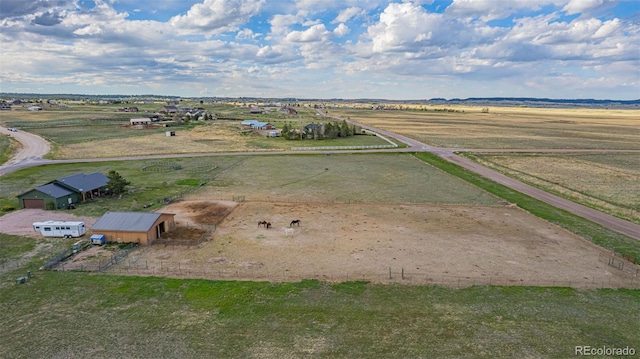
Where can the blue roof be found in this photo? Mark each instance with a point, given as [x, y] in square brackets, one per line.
[54, 190]
[126, 221]
[84, 183]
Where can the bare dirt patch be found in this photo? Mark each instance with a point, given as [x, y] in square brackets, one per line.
[501, 245]
[20, 222]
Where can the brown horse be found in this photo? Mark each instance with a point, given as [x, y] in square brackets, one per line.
[262, 223]
[268, 225]
[295, 221]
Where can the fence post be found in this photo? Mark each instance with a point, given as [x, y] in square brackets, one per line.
[389, 273]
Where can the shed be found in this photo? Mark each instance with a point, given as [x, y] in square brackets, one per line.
[140, 121]
[133, 227]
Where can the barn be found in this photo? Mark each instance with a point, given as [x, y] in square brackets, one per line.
[134, 227]
[65, 191]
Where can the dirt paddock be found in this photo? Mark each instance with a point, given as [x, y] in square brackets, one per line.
[495, 244]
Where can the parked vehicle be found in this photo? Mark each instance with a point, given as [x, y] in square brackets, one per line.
[60, 229]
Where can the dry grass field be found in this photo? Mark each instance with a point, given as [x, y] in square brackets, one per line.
[510, 127]
[608, 181]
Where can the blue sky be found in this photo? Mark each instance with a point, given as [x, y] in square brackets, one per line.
[323, 48]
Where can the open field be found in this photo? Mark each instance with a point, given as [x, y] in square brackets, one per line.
[609, 182]
[510, 128]
[367, 178]
[96, 132]
[67, 314]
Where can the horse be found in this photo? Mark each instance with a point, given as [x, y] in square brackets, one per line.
[295, 221]
[288, 230]
[268, 225]
[262, 223]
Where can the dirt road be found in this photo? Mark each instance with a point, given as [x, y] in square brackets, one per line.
[30, 153]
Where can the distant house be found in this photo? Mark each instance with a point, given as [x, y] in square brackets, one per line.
[65, 191]
[257, 125]
[140, 121]
[288, 110]
[256, 110]
[34, 108]
[5, 106]
[133, 227]
[169, 109]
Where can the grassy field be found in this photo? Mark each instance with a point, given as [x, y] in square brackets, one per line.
[88, 131]
[372, 178]
[609, 182]
[151, 181]
[71, 314]
[381, 178]
[5, 149]
[508, 128]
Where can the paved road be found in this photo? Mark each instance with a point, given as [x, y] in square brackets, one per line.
[34, 148]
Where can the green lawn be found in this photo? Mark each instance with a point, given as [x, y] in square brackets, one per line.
[67, 314]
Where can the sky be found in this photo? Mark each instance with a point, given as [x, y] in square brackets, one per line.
[349, 49]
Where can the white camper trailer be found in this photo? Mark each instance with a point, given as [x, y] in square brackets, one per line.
[60, 229]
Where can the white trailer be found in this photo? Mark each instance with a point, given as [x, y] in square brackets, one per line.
[60, 229]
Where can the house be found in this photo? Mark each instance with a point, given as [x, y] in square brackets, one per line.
[140, 121]
[5, 106]
[169, 109]
[34, 108]
[257, 125]
[256, 110]
[288, 110]
[65, 191]
[133, 227]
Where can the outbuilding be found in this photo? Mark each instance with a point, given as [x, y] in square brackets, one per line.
[134, 227]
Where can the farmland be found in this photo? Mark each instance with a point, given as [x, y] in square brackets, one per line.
[362, 215]
[609, 182]
[160, 317]
[510, 128]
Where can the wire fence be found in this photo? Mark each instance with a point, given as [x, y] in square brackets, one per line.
[63, 262]
[321, 148]
[11, 265]
[144, 267]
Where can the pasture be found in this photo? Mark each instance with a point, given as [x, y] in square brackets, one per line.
[91, 131]
[609, 182]
[72, 314]
[509, 127]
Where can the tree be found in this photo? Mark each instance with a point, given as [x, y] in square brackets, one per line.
[117, 185]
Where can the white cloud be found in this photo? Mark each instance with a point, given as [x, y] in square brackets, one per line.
[216, 16]
[492, 9]
[587, 6]
[348, 13]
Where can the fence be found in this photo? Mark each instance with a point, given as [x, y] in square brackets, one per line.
[59, 262]
[322, 148]
[622, 262]
[187, 270]
[209, 228]
[10, 265]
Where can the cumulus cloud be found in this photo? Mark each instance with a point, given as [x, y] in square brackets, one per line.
[490, 9]
[216, 16]
[587, 6]
[17, 8]
[348, 13]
